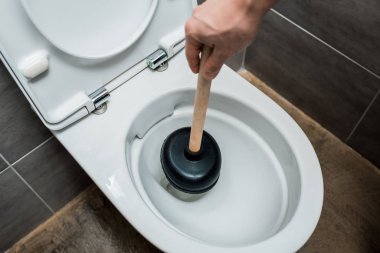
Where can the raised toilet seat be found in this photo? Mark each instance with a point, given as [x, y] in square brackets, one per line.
[270, 192]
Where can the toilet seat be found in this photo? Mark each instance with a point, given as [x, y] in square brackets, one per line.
[91, 29]
[142, 99]
[63, 88]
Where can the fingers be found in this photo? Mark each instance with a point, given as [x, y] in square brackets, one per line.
[193, 48]
[198, 33]
[214, 63]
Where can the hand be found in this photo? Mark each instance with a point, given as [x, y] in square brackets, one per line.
[226, 26]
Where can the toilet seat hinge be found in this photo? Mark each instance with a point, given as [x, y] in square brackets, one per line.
[99, 97]
[158, 60]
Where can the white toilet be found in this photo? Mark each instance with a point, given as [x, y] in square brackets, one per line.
[110, 80]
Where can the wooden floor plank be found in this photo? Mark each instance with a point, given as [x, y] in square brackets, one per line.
[90, 223]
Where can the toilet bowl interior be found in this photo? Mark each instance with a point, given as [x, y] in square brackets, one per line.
[259, 185]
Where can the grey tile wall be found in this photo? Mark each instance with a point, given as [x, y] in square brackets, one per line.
[366, 137]
[42, 176]
[3, 164]
[20, 209]
[333, 73]
[235, 62]
[53, 174]
[351, 26]
[312, 76]
[20, 128]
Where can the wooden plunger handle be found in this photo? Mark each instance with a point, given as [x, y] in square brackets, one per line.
[200, 105]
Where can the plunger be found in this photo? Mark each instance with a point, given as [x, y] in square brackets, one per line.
[190, 157]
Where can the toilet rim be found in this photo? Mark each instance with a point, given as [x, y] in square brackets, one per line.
[144, 220]
[126, 197]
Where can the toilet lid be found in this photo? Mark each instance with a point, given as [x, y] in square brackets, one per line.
[83, 47]
[91, 29]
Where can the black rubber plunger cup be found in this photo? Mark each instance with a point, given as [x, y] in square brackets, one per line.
[190, 157]
[187, 171]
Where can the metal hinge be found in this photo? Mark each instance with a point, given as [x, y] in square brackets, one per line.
[99, 97]
[158, 60]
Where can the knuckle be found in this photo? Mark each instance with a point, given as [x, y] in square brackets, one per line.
[213, 69]
[189, 27]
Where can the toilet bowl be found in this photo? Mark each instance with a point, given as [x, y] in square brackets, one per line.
[269, 194]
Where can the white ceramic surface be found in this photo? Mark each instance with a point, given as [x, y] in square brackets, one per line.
[60, 93]
[91, 29]
[270, 193]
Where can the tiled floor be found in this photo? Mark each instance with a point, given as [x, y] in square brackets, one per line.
[349, 223]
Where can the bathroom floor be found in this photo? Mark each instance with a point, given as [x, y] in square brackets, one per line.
[350, 220]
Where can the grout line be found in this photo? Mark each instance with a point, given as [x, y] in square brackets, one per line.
[362, 117]
[6, 161]
[31, 188]
[325, 43]
[4, 170]
[34, 149]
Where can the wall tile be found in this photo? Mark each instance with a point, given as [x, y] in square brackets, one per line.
[351, 26]
[20, 209]
[20, 128]
[53, 174]
[3, 164]
[366, 138]
[235, 62]
[325, 85]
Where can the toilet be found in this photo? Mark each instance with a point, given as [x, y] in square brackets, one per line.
[111, 81]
